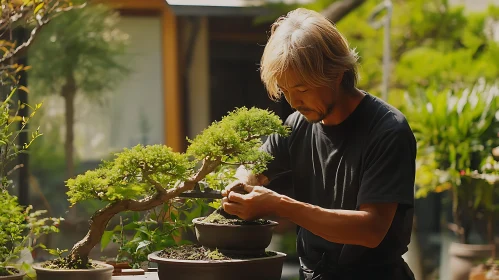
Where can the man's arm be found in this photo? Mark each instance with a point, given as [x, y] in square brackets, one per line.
[366, 226]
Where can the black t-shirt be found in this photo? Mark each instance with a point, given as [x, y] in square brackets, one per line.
[368, 158]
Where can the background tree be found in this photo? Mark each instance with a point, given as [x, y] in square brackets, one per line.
[79, 52]
[433, 43]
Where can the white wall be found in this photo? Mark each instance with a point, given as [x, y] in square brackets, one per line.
[137, 103]
[198, 99]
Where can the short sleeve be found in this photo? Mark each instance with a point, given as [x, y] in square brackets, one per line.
[389, 168]
[278, 147]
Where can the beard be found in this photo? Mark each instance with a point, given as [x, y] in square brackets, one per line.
[315, 116]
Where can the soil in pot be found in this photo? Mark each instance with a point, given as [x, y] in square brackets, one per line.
[200, 253]
[221, 217]
[242, 238]
[11, 274]
[59, 269]
[188, 262]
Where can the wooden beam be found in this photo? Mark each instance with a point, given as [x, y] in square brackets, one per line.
[240, 37]
[135, 4]
[173, 121]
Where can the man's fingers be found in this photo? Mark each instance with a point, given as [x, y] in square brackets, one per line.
[248, 188]
[230, 207]
[234, 186]
[236, 197]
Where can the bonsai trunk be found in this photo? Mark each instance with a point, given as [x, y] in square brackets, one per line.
[68, 91]
[78, 257]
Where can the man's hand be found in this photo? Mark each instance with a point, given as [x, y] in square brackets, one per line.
[255, 203]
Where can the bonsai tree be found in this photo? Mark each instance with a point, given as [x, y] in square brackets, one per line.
[143, 177]
[456, 132]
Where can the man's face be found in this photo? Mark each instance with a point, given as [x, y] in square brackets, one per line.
[314, 103]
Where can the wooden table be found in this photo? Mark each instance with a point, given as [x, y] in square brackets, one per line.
[147, 276]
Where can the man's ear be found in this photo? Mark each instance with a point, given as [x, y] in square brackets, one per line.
[339, 79]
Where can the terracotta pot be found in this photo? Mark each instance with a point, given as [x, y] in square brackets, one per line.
[17, 276]
[119, 265]
[266, 268]
[242, 239]
[478, 272]
[105, 272]
[463, 257]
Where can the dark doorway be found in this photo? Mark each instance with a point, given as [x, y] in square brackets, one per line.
[235, 79]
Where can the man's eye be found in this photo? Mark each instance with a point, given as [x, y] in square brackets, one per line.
[302, 90]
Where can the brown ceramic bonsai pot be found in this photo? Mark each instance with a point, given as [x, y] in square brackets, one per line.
[264, 268]
[242, 239]
[16, 276]
[104, 272]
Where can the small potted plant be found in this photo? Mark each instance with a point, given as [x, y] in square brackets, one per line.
[20, 227]
[144, 177]
[456, 130]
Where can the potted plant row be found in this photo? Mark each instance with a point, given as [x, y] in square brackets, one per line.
[456, 131]
[145, 177]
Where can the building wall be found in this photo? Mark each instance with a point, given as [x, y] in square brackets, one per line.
[137, 108]
[197, 89]
[132, 113]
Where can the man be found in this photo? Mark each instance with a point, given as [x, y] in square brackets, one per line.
[351, 158]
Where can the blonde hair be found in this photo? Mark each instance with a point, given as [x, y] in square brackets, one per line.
[310, 44]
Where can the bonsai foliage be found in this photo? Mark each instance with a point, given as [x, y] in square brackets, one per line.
[144, 177]
[456, 132]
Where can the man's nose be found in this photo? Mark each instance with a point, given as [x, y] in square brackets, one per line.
[293, 100]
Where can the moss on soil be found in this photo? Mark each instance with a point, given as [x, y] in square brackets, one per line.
[63, 263]
[8, 271]
[219, 216]
[200, 253]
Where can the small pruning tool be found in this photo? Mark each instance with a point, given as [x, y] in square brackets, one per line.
[207, 192]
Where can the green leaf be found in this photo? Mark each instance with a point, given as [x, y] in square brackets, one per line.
[142, 244]
[106, 238]
[39, 7]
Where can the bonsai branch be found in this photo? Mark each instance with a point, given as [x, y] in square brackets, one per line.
[156, 185]
[236, 163]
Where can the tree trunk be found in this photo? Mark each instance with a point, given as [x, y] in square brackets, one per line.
[337, 10]
[69, 93]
